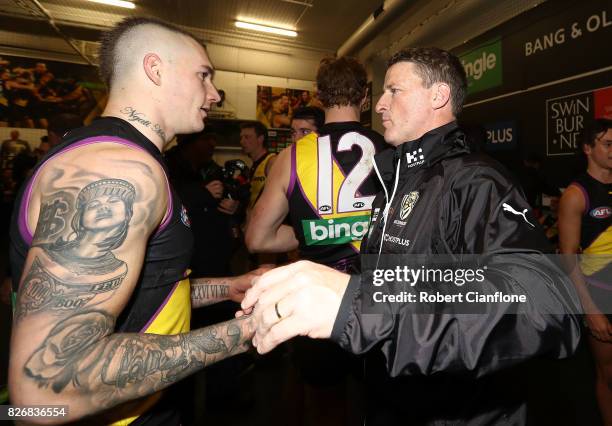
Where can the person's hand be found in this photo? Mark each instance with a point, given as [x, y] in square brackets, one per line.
[215, 188]
[299, 299]
[5, 291]
[599, 326]
[228, 206]
[242, 283]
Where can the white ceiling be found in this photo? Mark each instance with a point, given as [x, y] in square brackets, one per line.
[57, 29]
[322, 25]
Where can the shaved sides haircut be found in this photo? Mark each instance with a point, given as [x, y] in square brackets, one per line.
[119, 45]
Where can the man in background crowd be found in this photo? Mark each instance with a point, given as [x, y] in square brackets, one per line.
[254, 142]
[209, 210]
[340, 148]
[306, 120]
[585, 226]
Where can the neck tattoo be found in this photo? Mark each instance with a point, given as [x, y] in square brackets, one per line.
[139, 117]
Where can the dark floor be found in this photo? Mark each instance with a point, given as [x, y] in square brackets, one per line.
[564, 393]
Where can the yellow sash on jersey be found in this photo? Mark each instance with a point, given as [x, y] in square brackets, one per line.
[306, 165]
[258, 180]
[174, 317]
[598, 254]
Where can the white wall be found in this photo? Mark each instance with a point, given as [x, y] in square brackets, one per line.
[293, 63]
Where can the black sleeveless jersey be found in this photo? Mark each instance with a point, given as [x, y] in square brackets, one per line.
[331, 190]
[596, 230]
[161, 301]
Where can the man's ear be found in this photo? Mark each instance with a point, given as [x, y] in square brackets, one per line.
[440, 95]
[586, 148]
[152, 65]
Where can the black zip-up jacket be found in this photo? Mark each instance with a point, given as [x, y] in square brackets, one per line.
[450, 366]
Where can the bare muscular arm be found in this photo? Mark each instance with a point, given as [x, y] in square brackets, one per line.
[93, 211]
[265, 231]
[571, 209]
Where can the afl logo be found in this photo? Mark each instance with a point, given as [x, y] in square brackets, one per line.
[358, 204]
[325, 208]
[185, 217]
[601, 212]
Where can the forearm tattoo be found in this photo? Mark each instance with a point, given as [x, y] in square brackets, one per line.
[203, 292]
[74, 270]
[81, 354]
[75, 265]
[138, 117]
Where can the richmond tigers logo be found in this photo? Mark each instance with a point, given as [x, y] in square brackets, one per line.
[408, 203]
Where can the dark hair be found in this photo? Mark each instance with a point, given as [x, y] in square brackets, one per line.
[341, 81]
[260, 130]
[61, 124]
[594, 128]
[108, 56]
[435, 65]
[310, 113]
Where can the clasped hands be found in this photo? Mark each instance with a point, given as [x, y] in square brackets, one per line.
[300, 299]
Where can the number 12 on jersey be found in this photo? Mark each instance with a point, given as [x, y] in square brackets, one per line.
[348, 199]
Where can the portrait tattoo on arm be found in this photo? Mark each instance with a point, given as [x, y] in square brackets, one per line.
[78, 352]
[75, 263]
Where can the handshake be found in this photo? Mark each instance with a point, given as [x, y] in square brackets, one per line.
[300, 299]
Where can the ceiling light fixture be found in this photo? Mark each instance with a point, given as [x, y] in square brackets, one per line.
[266, 29]
[119, 3]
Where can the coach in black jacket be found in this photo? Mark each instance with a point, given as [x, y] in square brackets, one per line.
[446, 362]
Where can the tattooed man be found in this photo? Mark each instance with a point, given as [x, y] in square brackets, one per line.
[102, 243]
